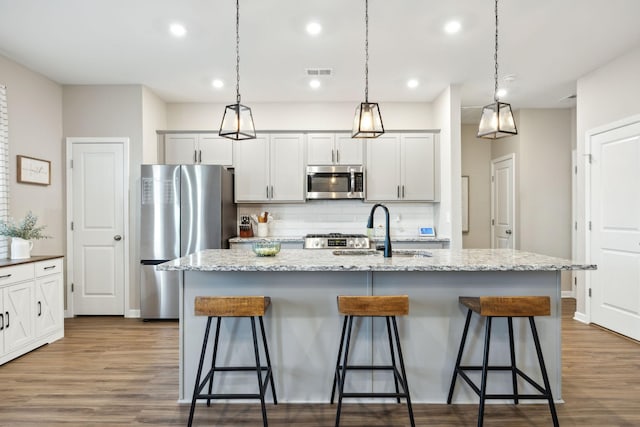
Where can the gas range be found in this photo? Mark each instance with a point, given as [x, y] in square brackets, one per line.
[336, 241]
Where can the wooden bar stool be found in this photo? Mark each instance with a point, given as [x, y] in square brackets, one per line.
[240, 306]
[372, 306]
[509, 307]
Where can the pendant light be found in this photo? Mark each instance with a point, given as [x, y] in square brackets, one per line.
[237, 122]
[367, 122]
[496, 120]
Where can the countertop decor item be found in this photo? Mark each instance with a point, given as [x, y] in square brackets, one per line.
[266, 248]
[237, 122]
[497, 118]
[34, 171]
[21, 235]
[368, 120]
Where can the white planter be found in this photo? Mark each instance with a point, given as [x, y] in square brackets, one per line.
[20, 248]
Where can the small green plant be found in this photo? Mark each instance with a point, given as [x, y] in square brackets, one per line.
[25, 229]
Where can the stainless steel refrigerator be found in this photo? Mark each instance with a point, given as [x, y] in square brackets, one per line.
[184, 209]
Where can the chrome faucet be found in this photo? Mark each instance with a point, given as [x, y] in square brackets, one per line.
[387, 239]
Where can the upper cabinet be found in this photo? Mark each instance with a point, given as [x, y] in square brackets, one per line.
[333, 149]
[402, 167]
[270, 168]
[194, 148]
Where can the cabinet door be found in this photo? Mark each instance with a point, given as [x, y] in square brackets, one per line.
[49, 305]
[180, 149]
[18, 315]
[215, 150]
[383, 168]
[349, 150]
[418, 171]
[251, 169]
[287, 168]
[2, 322]
[320, 149]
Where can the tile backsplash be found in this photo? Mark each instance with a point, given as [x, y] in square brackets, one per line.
[341, 216]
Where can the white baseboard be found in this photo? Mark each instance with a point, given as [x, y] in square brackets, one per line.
[67, 314]
[568, 294]
[133, 313]
[580, 317]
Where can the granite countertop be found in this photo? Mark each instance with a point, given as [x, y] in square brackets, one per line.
[300, 239]
[325, 260]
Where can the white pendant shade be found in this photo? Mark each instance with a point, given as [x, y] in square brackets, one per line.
[497, 121]
[367, 122]
[237, 123]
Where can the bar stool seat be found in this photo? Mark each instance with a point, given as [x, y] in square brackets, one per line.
[489, 307]
[372, 306]
[233, 306]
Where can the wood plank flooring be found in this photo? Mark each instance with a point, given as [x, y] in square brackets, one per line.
[123, 372]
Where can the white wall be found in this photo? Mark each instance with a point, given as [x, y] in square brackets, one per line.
[112, 111]
[607, 94]
[35, 130]
[476, 164]
[154, 117]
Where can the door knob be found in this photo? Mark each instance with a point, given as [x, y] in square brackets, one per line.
[117, 237]
[508, 231]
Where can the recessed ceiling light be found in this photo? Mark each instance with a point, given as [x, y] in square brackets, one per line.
[217, 83]
[314, 83]
[501, 93]
[412, 83]
[177, 29]
[314, 28]
[452, 27]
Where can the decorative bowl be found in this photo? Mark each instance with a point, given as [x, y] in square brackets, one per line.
[266, 248]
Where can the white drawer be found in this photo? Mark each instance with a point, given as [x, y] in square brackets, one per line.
[16, 273]
[52, 266]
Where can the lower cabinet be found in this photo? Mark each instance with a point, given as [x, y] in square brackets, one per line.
[32, 306]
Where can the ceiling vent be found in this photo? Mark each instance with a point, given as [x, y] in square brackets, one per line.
[318, 72]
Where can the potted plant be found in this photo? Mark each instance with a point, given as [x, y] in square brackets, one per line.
[22, 234]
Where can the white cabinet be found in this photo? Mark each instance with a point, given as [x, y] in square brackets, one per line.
[194, 148]
[333, 149]
[402, 167]
[32, 306]
[270, 168]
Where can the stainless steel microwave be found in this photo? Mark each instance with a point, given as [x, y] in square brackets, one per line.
[335, 182]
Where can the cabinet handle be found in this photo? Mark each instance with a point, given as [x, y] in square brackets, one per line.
[7, 314]
[337, 156]
[195, 156]
[50, 267]
[1, 321]
[39, 308]
[199, 156]
[333, 159]
[267, 191]
[403, 191]
[398, 191]
[5, 276]
[272, 191]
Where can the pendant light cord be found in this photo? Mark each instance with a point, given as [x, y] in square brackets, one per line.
[238, 51]
[366, 51]
[495, 58]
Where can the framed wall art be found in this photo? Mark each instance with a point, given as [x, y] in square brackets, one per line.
[34, 171]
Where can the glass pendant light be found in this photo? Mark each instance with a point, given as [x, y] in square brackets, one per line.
[496, 120]
[237, 122]
[367, 122]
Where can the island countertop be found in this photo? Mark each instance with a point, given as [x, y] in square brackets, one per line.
[326, 260]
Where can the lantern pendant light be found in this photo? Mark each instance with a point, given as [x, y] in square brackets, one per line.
[496, 120]
[237, 122]
[367, 122]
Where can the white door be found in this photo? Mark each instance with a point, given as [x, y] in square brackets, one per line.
[615, 230]
[98, 215]
[503, 202]
[49, 315]
[18, 312]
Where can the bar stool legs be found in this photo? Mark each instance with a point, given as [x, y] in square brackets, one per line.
[459, 370]
[233, 307]
[399, 372]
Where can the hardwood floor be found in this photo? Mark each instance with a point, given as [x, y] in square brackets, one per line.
[122, 372]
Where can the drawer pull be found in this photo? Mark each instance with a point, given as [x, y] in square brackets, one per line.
[50, 267]
[5, 276]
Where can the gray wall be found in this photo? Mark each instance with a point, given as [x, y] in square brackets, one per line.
[476, 164]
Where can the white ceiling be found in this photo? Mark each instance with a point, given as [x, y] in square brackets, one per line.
[547, 44]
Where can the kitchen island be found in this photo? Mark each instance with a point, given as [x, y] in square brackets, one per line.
[303, 324]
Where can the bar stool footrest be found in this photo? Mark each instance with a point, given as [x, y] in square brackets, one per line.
[524, 376]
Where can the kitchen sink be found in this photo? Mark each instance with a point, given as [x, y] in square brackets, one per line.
[405, 253]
